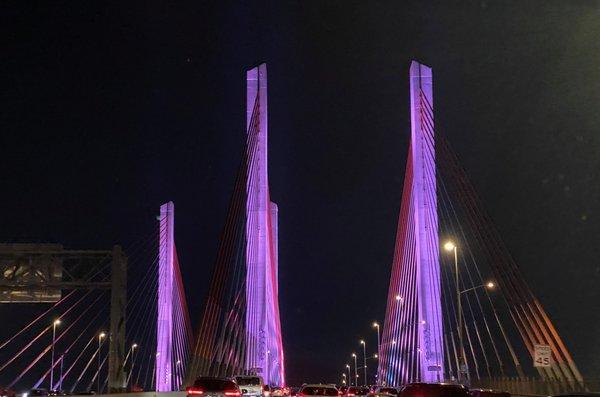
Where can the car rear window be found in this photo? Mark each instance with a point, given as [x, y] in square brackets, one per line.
[320, 391]
[243, 381]
[388, 390]
[358, 390]
[433, 391]
[214, 384]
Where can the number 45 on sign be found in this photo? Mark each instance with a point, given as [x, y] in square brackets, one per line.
[542, 356]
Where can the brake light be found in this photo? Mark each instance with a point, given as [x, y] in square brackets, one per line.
[351, 395]
[195, 392]
[233, 393]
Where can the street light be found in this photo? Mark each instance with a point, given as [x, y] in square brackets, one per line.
[488, 285]
[376, 325]
[349, 377]
[355, 370]
[101, 336]
[364, 345]
[451, 247]
[54, 324]
[133, 347]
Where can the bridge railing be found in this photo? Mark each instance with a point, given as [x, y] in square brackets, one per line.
[534, 386]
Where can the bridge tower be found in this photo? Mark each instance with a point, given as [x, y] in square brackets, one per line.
[412, 347]
[164, 325]
[264, 350]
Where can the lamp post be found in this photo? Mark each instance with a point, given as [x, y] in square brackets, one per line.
[364, 345]
[376, 325]
[133, 347]
[101, 336]
[344, 378]
[349, 376]
[54, 324]
[451, 247]
[355, 370]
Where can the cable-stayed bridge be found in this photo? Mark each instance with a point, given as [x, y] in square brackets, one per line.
[118, 320]
[458, 307]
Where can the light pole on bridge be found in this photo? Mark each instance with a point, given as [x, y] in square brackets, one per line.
[364, 345]
[54, 324]
[451, 247]
[355, 370]
[376, 325]
[101, 336]
[349, 375]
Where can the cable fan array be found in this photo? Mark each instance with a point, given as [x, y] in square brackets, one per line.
[65, 346]
[491, 319]
[220, 348]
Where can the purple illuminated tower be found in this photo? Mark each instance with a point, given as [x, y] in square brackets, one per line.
[164, 327]
[264, 350]
[412, 346]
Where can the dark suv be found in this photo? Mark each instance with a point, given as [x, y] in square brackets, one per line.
[434, 390]
[213, 387]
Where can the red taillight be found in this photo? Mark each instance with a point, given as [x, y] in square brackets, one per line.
[351, 395]
[233, 393]
[192, 391]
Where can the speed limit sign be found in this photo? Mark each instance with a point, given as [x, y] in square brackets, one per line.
[542, 356]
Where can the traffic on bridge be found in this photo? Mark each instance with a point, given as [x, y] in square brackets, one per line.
[358, 236]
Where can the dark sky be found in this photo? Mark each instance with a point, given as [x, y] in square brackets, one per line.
[109, 110]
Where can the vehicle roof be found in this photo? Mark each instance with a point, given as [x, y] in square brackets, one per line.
[318, 385]
[436, 384]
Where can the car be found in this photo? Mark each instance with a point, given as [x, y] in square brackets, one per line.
[319, 390]
[488, 393]
[277, 391]
[434, 390]
[214, 387]
[252, 384]
[357, 391]
[383, 391]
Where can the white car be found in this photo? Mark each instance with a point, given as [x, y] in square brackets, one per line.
[318, 390]
[251, 385]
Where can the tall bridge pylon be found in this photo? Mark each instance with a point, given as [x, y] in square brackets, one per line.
[240, 331]
[172, 325]
[263, 330]
[415, 337]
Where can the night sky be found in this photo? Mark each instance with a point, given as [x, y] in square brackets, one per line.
[110, 110]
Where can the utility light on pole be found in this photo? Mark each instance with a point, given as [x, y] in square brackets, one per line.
[376, 325]
[349, 376]
[54, 324]
[355, 370]
[101, 336]
[133, 347]
[364, 345]
[451, 247]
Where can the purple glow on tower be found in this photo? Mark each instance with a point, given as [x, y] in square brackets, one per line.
[264, 350]
[426, 223]
[412, 341]
[164, 326]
